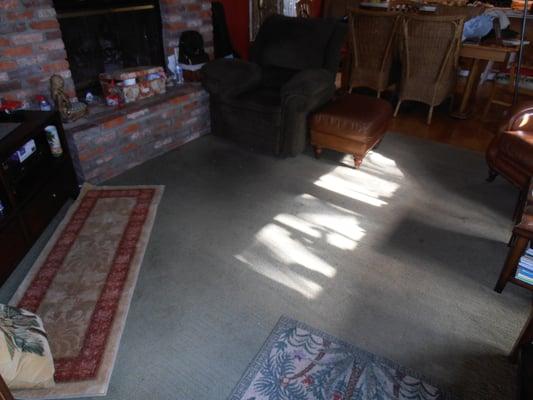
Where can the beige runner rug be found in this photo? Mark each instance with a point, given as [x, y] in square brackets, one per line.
[83, 281]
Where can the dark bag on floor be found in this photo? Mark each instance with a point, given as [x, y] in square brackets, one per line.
[192, 48]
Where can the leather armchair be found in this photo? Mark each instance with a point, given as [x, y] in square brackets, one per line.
[265, 103]
[510, 153]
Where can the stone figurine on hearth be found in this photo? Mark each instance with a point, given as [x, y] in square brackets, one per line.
[70, 111]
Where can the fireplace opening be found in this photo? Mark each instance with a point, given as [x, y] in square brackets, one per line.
[108, 35]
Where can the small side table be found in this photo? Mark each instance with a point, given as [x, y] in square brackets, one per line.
[523, 234]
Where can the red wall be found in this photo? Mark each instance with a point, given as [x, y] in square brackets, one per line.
[237, 17]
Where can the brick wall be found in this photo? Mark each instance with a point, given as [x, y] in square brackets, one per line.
[131, 137]
[181, 15]
[31, 47]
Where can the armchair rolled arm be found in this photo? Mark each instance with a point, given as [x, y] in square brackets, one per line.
[519, 119]
[305, 92]
[230, 77]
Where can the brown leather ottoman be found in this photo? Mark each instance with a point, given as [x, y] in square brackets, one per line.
[352, 124]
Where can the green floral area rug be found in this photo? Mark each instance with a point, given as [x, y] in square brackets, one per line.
[298, 362]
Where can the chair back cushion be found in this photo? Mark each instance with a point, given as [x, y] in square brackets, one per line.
[297, 43]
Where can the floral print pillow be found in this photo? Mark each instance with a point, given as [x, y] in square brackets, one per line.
[25, 358]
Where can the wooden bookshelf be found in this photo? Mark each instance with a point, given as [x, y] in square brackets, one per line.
[31, 191]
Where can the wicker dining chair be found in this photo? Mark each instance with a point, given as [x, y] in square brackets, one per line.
[429, 49]
[404, 6]
[372, 38]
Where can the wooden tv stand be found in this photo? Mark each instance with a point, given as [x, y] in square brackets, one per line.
[31, 191]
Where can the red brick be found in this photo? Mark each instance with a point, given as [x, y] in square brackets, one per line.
[193, 7]
[56, 66]
[190, 106]
[7, 65]
[179, 100]
[17, 51]
[138, 114]
[174, 26]
[90, 154]
[4, 42]
[52, 35]
[113, 123]
[131, 128]
[18, 16]
[50, 45]
[129, 147]
[45, 25]
[26, 38]
[9, 4]
[11, 85]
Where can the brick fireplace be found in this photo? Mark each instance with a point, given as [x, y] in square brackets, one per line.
[108, 141]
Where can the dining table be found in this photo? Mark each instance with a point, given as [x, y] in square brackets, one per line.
[480, 54]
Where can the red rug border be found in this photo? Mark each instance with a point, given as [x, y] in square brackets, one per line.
[85, 366]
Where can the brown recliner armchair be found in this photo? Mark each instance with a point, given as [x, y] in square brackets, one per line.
[510, 154]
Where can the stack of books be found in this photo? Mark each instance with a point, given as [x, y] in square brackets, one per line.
[524, 271]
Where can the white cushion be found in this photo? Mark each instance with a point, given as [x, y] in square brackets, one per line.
[25, 358]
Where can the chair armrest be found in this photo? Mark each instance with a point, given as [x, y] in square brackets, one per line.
[230, 77]
[309, 84]
[517, 122]
[305, 92]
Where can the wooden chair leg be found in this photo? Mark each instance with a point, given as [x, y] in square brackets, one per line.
[492, 175]
[452, 103]
[357, 161]
[526, 336]
[430, 115]
[489, 101]
[318, 151]
[511, 262]
[397, 108]
[512, 241]
[520, 205]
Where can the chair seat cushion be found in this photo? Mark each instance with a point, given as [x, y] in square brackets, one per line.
[353, 117]
[262, 99]
[276, 77]
[25, 358]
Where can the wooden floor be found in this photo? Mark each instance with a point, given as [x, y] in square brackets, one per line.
[473, 133]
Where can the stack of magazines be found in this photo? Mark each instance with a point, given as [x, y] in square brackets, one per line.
[525, 267]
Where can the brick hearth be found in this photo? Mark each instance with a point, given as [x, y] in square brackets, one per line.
[111, 141]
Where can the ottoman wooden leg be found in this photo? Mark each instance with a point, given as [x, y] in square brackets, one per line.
[492, 175]
[318, 151]
[357, 161]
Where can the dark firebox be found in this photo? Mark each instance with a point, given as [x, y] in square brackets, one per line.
[106, 35]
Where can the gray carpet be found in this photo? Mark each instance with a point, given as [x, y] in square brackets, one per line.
[398, 258]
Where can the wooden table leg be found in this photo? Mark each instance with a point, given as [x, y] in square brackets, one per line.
[471, 86]
[511, 263]
[526, 336]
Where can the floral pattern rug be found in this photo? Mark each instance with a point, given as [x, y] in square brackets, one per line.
[298, 362]
[82, 284]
